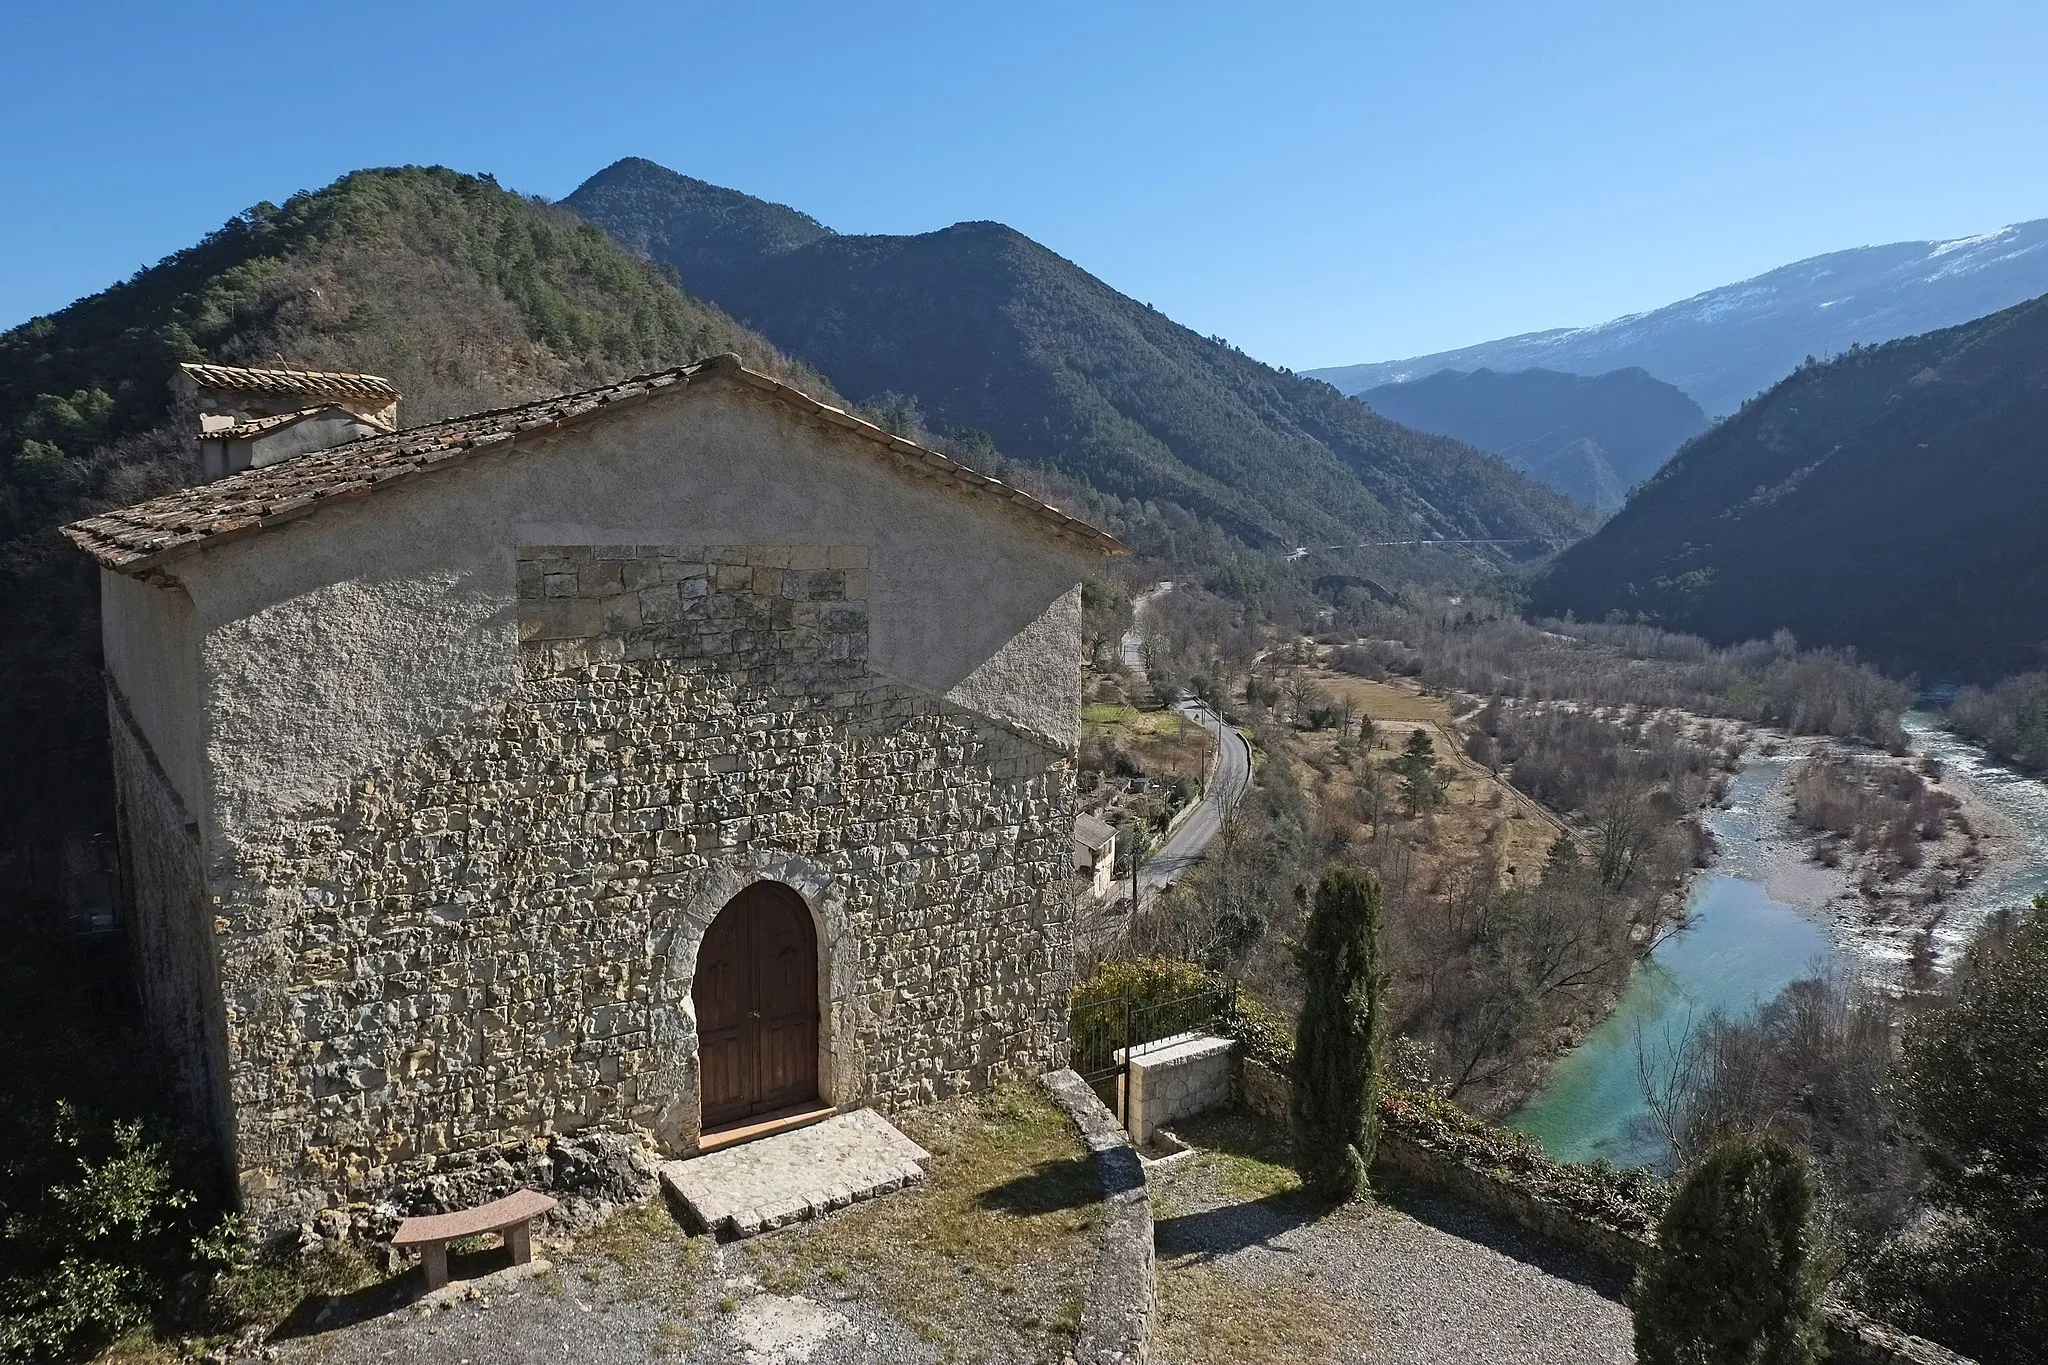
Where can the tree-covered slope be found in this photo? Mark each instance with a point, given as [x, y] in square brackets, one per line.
[1591, 437]
[706, 232]
[1894, 499]
[991, 331]
[464, 294]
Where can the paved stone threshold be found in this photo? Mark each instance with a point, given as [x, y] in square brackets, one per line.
[790, 1177]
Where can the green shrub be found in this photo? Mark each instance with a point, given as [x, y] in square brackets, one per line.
[1735, 1280]
[1975, 1075]
[1334, 1108]
[1973, 1079]
[1263, 1034]
[95, 1255]
[1149, 984]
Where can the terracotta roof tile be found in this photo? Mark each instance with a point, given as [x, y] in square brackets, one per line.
[330, 383]
[136, 539]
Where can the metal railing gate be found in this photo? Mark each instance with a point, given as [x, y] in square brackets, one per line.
[1104, 1033]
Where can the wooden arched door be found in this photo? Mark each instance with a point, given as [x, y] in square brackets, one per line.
[756, 994]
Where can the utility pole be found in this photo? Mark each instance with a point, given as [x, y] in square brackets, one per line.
[1135, 837]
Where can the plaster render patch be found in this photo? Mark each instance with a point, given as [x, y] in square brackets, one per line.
[358, 694]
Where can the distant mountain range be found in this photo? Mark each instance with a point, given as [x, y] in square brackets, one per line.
[990, 332]
[1894, 499]
[1591, 438]
[1728, 344]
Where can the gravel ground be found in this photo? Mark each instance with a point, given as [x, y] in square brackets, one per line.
[985, 1261]
[975, 1268]
[563, 1317]
[1409, 1279]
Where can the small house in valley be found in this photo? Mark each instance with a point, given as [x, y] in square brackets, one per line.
[1095, 854]
[667, 756]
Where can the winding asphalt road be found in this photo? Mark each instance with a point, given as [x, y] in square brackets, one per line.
[1184, 847]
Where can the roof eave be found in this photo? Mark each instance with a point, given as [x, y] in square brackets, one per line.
[910, 456]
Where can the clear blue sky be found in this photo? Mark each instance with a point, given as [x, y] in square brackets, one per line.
[1319, 183]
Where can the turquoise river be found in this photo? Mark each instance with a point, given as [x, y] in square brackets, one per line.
[1740, 947]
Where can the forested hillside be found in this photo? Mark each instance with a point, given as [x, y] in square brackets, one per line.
[1891, 499]
[988, 330]
[466, 295]
[1591, 437]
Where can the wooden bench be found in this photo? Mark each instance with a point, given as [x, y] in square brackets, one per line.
[511, 1217]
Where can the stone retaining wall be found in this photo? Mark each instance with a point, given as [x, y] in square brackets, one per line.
[1853, 1338]
[1123, 1299]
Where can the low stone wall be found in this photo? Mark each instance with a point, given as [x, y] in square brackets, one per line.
[1262, 1090]
[1174, 1079]
[1406, 1159]
[1853, 1339]
[1123, 1299]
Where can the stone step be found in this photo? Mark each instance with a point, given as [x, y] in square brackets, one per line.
[793, 1176]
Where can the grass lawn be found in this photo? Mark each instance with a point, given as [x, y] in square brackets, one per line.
[988, 1259]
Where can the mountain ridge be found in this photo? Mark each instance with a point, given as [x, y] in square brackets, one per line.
[1888, 500]
[1591, 437]
[1727, 344]
[993, 332]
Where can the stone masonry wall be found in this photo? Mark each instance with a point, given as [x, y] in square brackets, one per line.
[170, 938]
[495, 936]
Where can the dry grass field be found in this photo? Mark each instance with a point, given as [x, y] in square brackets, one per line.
[1480, 812]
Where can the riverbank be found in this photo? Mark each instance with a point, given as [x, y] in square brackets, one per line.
[1879, 922]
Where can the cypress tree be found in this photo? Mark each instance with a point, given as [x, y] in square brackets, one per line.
[1735, 1280]
[1337, 1043]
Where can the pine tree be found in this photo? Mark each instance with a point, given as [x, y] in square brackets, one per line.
[1421, 788]
[1736, 1279]
[1338, 1041]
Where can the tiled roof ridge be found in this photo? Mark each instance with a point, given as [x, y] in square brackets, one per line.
[285, 379]
[137, 539]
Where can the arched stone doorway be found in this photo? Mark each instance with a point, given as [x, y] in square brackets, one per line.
[756, 999]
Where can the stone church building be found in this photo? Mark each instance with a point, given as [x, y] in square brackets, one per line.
[673, 755]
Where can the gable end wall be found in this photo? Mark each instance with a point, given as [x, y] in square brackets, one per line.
[493, 935]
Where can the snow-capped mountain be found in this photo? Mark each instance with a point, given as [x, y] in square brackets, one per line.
[1730, 343]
